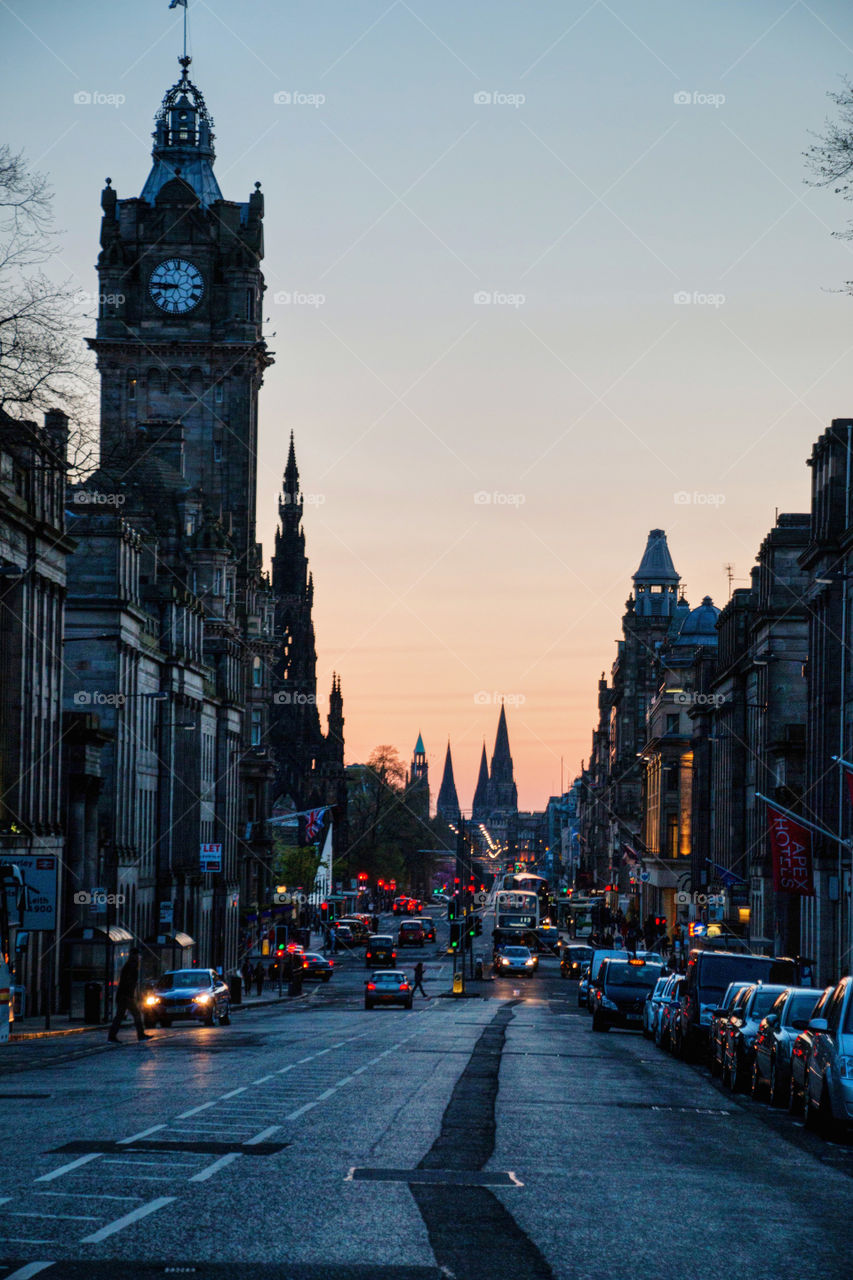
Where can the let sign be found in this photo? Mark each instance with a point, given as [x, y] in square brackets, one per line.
[211, 857]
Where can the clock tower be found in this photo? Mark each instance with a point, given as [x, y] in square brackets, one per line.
[179, 340]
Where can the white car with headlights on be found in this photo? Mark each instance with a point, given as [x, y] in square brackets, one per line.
[192, 995]
[514, 960]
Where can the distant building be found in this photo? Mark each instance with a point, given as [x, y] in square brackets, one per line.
[418, 781]
[495, 805]
[447, 804]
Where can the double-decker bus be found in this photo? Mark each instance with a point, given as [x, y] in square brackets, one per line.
[516, 909]
[536, 884]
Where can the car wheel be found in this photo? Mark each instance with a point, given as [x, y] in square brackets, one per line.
[212, 1019]
[368, 1004]
[225, 1018]
[756, 1084]
[777, 1091]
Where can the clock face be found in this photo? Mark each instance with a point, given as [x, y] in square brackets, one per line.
[176, 285]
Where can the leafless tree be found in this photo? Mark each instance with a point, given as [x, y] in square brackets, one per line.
[43, 361]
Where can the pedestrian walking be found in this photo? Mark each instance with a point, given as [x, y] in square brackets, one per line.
[247, 974]
[127, 998]
[259, 978]
[419, 979]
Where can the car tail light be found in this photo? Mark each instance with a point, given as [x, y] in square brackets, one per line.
[371, 986]
[369, 955]
[393, 955]
[331, 964]
[404, 986]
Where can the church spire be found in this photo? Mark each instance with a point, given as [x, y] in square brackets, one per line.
[503, 794]
[447, 805]
[480, 807]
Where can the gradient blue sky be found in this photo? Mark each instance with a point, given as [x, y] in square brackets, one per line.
[597, 399]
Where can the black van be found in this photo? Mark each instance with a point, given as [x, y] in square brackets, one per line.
[708, 976]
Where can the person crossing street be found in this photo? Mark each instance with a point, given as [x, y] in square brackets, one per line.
[127, 998]
[419, 980]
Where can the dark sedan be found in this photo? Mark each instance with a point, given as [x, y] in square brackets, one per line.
[317, 966]
[573, 960]
[380, 950]
[621, 989]
[800, 1054]
[197, 995]
[741, 1031]
[771, 1064]
[388, 986]
[736, 993]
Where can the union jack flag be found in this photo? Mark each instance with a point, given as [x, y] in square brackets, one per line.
[313, 821]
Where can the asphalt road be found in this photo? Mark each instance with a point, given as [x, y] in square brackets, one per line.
[490, 1138]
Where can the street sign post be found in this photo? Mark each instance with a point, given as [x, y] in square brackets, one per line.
[211, 858]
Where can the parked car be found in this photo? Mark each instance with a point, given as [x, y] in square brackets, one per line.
[387, 986]
[709, 973]
[651, 1011]
[344, 937]
[777, 1031]
[572, 960]
[735, 993]
[669, 1005]
[317, 966]
[741, 1030]
[411, 934]
[829, 1076]
[197, 995]
[599, 955]
[800, 1054]
[620, 993]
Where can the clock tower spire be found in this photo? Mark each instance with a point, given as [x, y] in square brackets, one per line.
[179, 340]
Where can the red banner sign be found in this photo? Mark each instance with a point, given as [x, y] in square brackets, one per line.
[791, 844]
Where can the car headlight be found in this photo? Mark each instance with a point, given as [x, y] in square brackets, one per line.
[150, 1000]
[845, 1068]
[608, 1004]
[504, 960]
[529, 962]
[202, 999]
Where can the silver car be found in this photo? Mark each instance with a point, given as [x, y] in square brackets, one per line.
[651, 1011]
[829, 1078]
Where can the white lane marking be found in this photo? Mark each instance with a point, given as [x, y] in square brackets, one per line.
[349, 1177]
[346, 1080]
[83, 1195]
[263, 1135]
[262, 1080]
[185, 1115]
[516, 1181]
[123, 1142]
[66, 1168]
[282, 1070]
[233, 1094]
[326, 1094]
[364, 1068]
[215, 1167]
[300, 1111]
[75, 1217]
[32, 1268]
[129, 1218]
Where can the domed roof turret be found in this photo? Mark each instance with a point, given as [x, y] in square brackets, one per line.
[700, 626]
[183, 142]
[680, 615]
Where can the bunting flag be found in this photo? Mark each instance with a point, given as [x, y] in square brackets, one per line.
[178, 4]
[791, 845]
[726, 877]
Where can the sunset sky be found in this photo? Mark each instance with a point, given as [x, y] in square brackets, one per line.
[552, 269]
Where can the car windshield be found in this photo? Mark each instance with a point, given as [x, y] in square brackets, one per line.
[380, 940]
[800, 1005]
[630, 975]
[389, 977]
[763, 1001]
[715, 973]
[517, 953]
[183, 978]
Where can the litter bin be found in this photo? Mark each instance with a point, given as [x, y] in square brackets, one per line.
[92, 1002]
[235, 986]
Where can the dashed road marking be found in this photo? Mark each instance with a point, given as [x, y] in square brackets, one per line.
[263, 1135]
[67, 1168]
[128, 1220]
[211, 1169]
[123, 1142]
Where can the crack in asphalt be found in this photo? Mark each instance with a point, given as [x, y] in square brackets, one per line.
[472, 1234]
